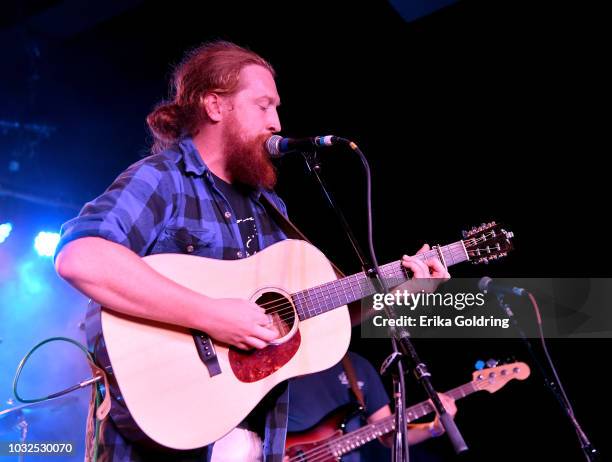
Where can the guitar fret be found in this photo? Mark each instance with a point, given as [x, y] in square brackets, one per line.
[467, 257]
[352, 291]
[298, 305]
[325, 295]
[345, 291]
[321, 296]
[448, 255]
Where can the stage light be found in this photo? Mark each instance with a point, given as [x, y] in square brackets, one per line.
[45, 243]
[5, 230]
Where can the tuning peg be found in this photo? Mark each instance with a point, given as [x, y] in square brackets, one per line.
[492, 362]
[479, 365]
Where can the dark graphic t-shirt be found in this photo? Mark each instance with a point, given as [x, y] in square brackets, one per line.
[240, 202]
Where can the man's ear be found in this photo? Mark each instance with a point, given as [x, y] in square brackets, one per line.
[212, 104]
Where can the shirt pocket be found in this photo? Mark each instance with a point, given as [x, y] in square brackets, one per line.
[190, 241]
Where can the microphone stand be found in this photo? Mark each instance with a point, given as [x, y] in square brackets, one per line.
[402, 346]
[590, 452]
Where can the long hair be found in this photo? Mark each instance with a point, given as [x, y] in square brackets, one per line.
[211, 68]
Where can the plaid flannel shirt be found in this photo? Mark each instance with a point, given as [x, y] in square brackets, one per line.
[168, 203]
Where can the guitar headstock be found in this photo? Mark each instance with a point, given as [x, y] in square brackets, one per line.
[486, 242]
[494, 378]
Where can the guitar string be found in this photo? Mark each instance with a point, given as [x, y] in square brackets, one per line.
[420, 410]
[432, 253]
[315, 295]
[421, 256]
[323, 452]
[285, 310]
[287, 307]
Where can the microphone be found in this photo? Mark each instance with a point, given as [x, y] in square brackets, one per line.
[277, 146]
[486, 285]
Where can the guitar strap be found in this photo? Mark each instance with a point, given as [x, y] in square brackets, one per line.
[293, 232]
[352, 378]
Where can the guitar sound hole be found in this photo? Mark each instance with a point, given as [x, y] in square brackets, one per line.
[253, 365]
[280, 309]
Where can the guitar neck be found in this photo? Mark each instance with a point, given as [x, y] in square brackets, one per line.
[357, 438]
[321, 299]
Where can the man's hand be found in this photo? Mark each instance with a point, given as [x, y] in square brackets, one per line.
[432, 270]
[240, 323]
[417, 433]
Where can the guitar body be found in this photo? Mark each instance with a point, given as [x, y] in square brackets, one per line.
[171, 394]
[314, 444]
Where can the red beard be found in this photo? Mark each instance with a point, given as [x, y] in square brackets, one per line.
[248, 161]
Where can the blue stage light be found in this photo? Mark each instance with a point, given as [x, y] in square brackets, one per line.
[45, 243]
[5, 230]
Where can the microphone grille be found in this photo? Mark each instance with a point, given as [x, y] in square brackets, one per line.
[483, 283]
[272, 146]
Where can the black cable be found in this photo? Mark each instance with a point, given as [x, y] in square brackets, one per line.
[383, 283]
[91, 381]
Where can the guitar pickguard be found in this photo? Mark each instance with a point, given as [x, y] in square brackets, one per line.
[254, 365]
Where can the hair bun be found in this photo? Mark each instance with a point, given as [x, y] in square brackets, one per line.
[166, 121]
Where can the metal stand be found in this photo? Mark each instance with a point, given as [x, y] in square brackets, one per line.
[400, 337]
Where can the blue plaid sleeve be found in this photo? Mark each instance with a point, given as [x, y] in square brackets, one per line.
[131, 212]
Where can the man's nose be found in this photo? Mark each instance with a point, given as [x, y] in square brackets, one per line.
[274, 124]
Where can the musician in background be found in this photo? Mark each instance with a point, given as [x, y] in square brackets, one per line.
[312, 397]
[200, 192]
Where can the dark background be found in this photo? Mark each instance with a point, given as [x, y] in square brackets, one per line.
[481, 111]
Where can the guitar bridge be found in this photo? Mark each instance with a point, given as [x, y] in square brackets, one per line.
[207, 353]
